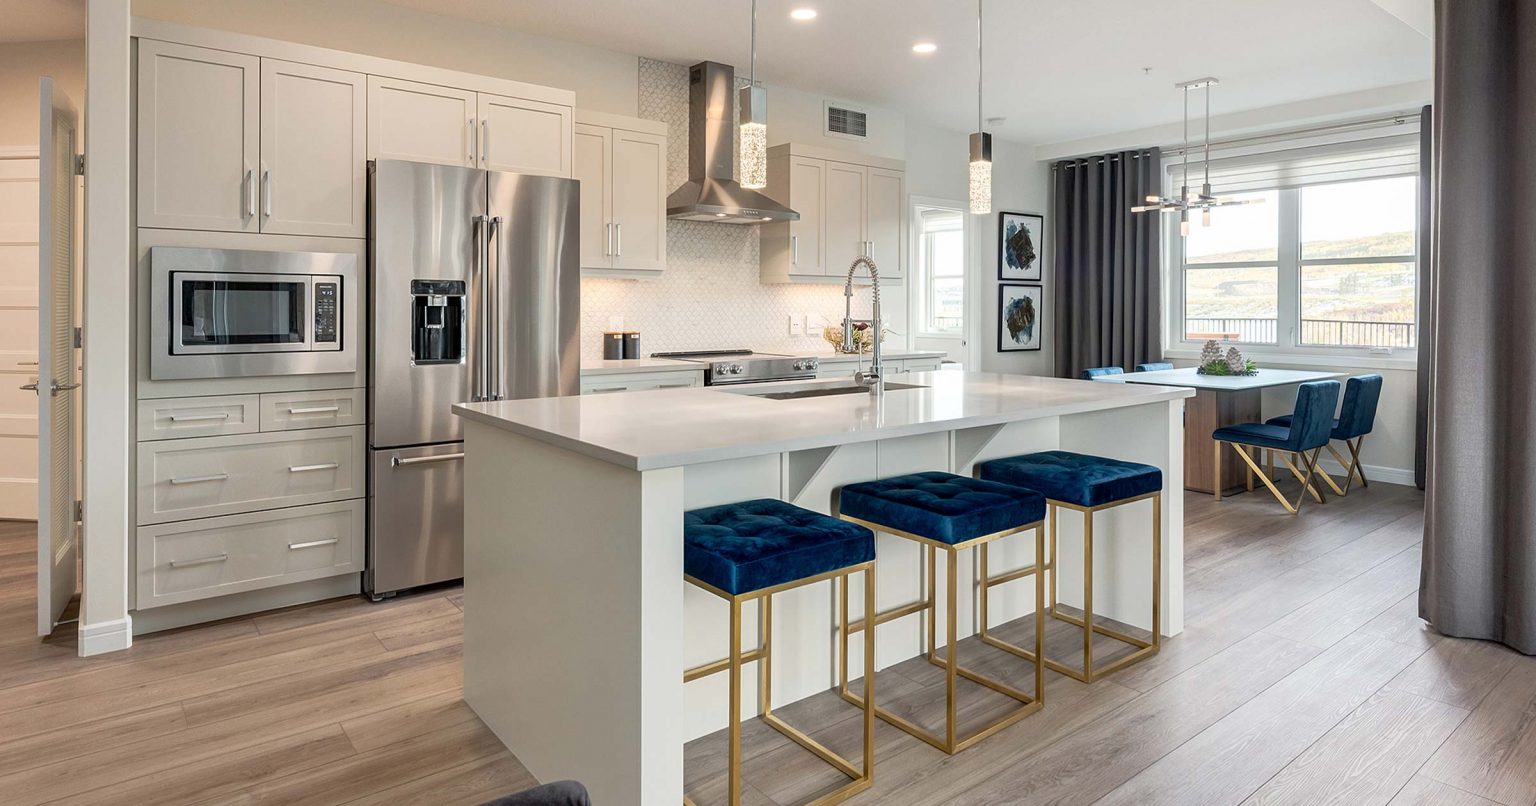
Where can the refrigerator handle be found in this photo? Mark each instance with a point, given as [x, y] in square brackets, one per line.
[479, 366]
[493, 302]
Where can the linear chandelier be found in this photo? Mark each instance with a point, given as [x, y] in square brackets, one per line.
[1204, 201]
[753, 129]
[981, 141]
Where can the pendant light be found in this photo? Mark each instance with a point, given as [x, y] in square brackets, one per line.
[753, 134]
[1204, 201]
[981, 141]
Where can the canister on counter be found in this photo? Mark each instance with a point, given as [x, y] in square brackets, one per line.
[631, 344]
[613, 345]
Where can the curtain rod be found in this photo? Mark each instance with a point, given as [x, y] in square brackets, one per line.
[1177, 149]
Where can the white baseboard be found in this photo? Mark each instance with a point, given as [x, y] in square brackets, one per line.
[108, 636]
[1386, 475]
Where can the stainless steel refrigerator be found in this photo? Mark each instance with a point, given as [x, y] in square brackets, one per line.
[474, 286]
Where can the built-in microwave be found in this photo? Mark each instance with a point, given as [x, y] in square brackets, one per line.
[221, 313]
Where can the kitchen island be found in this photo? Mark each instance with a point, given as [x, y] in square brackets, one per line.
[578, 624]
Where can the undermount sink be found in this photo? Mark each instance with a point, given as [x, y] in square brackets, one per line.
[826, 391]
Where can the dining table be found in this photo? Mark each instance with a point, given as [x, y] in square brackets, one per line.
[1220, 400]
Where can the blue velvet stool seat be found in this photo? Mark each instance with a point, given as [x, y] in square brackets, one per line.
[1302, 436]
[949, 513]
[749, 551]
[1087, 484]
[1357, 416]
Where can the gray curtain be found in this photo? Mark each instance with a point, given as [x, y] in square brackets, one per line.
[1479, 572]
[1108, 310]
[1425, 309]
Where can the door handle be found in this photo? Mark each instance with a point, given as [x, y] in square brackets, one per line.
[608, 247]
[485, 142]
[309, 468]
[29, 387]
[423, 460]
[55, 388]
[266, 192]
[794, 250]
[248, 194]
[200, 479]
[192, 418]
[217, 558]
[317, 409]
[618, 233]
[26, 363]
[331, 541]
[471, 141]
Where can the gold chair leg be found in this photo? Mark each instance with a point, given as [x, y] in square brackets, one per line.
[1306, 479]
[1270, 485]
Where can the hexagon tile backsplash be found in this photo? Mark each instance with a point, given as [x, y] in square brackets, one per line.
[709, 297]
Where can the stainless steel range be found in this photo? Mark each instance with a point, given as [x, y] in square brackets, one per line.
[724, 367]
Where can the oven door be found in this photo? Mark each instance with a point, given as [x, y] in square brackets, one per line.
[238, 312]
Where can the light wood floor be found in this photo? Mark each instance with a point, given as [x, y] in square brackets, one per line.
[1304, 676]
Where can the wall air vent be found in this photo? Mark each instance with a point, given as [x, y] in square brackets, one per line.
[845, 121]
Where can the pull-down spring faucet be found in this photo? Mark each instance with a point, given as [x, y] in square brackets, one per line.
[875, 377]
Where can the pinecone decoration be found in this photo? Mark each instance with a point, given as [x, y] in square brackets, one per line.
[1235, 361]
[1210, 352]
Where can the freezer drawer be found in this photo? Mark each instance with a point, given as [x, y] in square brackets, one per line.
[416, 511]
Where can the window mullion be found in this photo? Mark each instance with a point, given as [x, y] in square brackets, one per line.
[1288, 306]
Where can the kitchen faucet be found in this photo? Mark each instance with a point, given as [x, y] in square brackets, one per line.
[875, 377]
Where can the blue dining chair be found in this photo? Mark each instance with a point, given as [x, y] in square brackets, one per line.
[1310, 426]
[1154, 366]
[1357, 416]
[1101, 373]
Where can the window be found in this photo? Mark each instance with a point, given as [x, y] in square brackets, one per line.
[941, 270]
[1319, 265]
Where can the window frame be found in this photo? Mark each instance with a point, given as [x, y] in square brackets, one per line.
[922, 277]
[1288, 347]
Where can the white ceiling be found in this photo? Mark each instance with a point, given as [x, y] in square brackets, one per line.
[41, 20]
[1056, 69]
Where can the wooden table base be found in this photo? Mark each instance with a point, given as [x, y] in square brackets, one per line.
[1207, 411]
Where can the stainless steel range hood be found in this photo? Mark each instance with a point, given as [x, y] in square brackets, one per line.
[711, 194]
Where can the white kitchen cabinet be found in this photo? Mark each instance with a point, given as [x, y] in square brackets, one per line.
[622, 165]
[637, 381]
[181, 417]
[313, 150]
[849, 205]
[524, 136]
[198, 137]
[408, 120]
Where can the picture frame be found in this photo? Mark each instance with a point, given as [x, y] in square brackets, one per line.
[1020, 317]
[1020, 246]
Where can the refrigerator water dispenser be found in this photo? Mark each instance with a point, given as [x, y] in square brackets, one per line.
[438, 321]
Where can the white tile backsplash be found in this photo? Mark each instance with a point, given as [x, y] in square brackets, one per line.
[709, 296]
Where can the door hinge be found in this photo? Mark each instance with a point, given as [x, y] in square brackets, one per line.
[79, 165]
[79, 338]
[79, 511]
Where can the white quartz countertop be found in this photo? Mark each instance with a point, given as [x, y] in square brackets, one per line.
[1188, 376]
[673, 427]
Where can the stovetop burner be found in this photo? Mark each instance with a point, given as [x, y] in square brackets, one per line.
[745, 366]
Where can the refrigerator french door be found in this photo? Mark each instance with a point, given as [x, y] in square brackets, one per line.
[475, 287]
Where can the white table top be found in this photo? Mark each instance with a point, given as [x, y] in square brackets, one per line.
[673, 427]
[1229, 383]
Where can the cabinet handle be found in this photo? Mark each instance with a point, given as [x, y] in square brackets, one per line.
[217, 558]
[201, 479]
[192, 418]
[330, 541]
[618, 237]
[674, 386]
[794, 250]
[485, 142]
[314, 410]
[266, 192]
[470, 156]
[597, 390]
[608, 247]
[248, 194]
[421, 460]
[309, 468]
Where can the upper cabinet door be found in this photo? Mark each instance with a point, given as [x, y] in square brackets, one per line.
[639, 200]
[844, 214]
[523, 136]
[313, 150]
[421, 122]
[595, 172]
[198, 145]
[807, 196]
[883, 227]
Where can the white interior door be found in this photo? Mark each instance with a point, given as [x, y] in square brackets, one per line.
[56, 387]
[18, 333]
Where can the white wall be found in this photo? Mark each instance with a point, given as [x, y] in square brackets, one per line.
[21, 63]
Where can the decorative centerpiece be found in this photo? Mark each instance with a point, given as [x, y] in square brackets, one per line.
[863, 337]
[1213, 362]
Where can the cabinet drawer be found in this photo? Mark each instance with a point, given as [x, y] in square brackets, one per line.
[181, 562]
[177, 417]
[292, 411]
[199, 478]
[634, 382]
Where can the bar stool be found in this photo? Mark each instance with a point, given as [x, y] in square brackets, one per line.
[947, 512]
[750, 551]
[1087, 484]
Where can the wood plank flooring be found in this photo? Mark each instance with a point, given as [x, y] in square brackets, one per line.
[1304, 676]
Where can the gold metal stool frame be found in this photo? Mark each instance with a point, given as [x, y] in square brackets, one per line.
[950, 743]
[862, 779]
[1143, 648]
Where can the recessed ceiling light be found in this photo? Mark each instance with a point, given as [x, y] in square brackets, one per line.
[924, 47]
[803, 14]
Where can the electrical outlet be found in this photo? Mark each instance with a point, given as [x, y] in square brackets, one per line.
[796, 325]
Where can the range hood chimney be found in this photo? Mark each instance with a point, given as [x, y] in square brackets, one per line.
[711, 194]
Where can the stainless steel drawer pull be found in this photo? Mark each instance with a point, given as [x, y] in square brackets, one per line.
[315, 543]
[308, 468]
[314, 410]
[192, 418]
[199, 561]
[200, 479]
[421, 460]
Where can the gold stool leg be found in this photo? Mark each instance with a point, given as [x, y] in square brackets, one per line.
[733, 752]
[950, 630]
[869, 676]
[1157, 571]
[1039, 613]
[1088, 596]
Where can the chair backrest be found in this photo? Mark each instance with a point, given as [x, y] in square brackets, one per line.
[1153, 366]
[1312, 423]
[1101, 372]
[1358, 414]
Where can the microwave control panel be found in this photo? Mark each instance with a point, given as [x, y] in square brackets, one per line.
[327, 313]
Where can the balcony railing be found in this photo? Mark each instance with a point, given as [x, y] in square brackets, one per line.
[1314, 332]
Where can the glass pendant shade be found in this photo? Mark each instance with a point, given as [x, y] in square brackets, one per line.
[981, 173]
[752, 138]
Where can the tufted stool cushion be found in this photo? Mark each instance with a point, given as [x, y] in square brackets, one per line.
[1075, 478]
[751, 545]
[942, 506]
